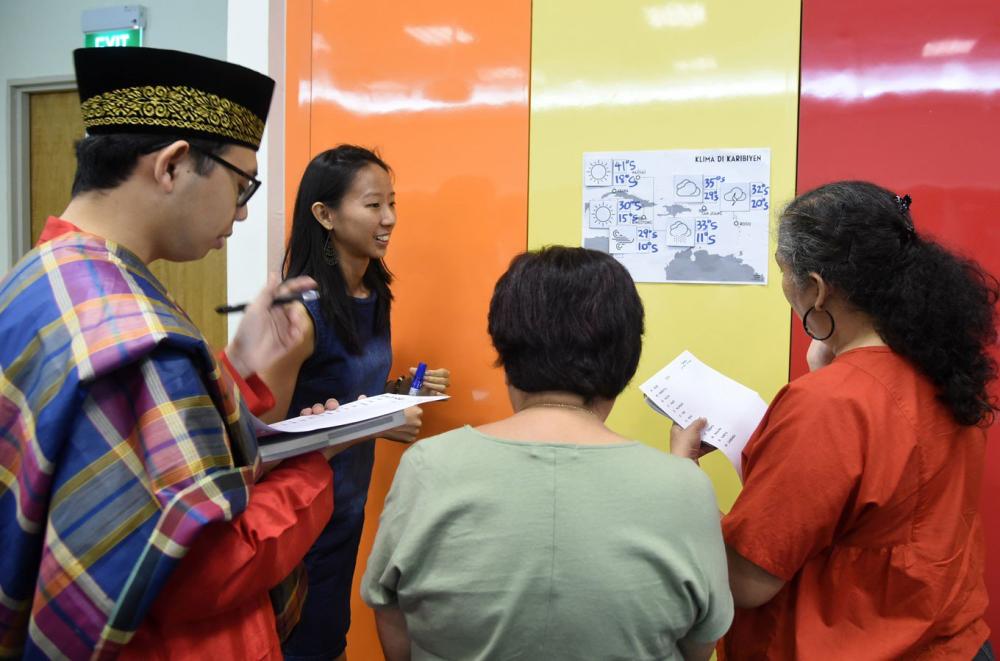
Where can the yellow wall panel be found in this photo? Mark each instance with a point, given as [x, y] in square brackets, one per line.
[640, 75]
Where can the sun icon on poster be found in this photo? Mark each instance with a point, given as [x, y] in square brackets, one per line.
[601, 214]
[599, 172]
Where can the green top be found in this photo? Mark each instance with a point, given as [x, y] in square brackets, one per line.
[498, 549]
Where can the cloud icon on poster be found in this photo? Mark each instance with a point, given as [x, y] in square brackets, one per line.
[687, 188]
[735, 195]
[680, 230]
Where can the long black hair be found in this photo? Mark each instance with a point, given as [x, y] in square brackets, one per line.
[327, 179]
[934, 308]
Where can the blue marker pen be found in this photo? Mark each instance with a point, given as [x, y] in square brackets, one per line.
[418, 379]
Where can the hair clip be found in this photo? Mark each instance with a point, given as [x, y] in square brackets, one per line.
[904, 208]
[904, 203]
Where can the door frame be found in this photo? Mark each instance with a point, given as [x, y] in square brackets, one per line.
[19, 93]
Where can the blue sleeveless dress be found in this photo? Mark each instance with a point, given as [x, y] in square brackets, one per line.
[332, 371]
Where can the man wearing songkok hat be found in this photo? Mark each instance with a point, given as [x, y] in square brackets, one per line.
[136, 520]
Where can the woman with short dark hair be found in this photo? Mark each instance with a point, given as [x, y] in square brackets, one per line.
[857, 533]
[546, 535]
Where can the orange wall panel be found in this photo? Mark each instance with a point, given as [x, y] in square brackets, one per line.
[440, 88]
[298, 99]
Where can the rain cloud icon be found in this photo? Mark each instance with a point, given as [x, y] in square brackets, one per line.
[735, 195]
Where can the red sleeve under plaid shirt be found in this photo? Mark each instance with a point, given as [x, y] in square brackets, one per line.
[217, 599]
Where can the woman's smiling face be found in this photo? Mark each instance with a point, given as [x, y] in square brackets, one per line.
[366, 216]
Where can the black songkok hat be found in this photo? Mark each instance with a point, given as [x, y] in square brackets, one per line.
[149, 90]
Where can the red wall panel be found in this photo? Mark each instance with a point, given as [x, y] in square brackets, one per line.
[907, 94]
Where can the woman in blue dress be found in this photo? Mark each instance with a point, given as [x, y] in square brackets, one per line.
[345, 212]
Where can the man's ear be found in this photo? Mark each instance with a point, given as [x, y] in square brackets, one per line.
[166, 162]
[323, 215]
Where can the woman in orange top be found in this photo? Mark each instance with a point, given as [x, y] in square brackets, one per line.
[857, 534]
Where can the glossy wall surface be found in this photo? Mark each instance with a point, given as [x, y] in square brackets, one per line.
[641, 75]
[907, 95]
[904, 94]
[441, 89]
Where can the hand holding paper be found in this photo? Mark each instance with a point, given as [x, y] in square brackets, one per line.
[410, 429]
[363, 418]
[318, 408]
[688, 389]
[364, 408]
[686, 441]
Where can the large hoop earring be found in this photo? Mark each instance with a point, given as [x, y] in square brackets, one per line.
[329, 253]
[805, 324]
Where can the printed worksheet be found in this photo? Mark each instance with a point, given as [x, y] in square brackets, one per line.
[699, 216]
[358, 411]
[688, 389]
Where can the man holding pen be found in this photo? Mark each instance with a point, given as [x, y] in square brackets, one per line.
[135, 517]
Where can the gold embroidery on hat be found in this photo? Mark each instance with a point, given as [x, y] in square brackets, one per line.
[177, 107]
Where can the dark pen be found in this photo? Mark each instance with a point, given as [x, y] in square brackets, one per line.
[310, 295]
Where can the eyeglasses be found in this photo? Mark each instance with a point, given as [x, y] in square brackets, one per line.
[245, 192]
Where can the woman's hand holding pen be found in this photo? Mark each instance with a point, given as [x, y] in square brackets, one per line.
[267, 332]
[436, 381]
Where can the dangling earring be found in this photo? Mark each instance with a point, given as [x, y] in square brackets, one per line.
[805, 324]
[329, 253]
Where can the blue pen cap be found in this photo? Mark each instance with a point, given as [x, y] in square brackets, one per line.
[418, 378]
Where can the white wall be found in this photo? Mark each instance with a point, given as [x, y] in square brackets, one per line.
[37, 38]
[257, 40]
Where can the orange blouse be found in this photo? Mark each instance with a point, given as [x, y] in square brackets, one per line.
[862, 492]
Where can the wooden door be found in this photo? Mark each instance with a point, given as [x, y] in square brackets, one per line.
[55, 126]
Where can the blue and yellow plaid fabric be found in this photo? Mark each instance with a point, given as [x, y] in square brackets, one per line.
[119, 441]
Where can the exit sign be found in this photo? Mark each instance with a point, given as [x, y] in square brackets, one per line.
[129, 37]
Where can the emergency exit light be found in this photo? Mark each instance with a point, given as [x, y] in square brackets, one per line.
[113, 38]
[113, 26]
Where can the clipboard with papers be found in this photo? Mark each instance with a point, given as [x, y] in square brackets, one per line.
[351, 421]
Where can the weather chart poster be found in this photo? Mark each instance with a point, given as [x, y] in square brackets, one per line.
[681, 215]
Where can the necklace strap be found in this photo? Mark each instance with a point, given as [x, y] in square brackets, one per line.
[559, 405]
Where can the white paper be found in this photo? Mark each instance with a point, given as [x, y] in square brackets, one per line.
[682, 215]
[281, 446]
[688, 389]
[357, 411]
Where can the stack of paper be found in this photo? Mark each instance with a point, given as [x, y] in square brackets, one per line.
[307, 433]
[688, 389]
